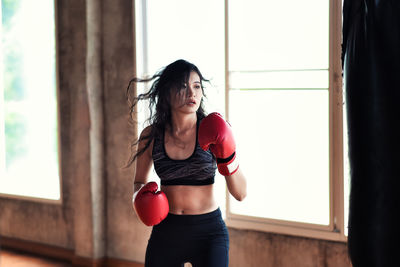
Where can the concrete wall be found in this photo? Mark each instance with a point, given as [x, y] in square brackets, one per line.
[251, 248]
[95, 219]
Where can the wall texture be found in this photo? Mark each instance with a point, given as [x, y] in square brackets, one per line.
[250, 248]
[93, 201]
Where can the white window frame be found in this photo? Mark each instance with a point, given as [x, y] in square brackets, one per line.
[39, 199]
[335, 230]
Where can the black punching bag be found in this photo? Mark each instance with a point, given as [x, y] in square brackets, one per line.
[371, 68]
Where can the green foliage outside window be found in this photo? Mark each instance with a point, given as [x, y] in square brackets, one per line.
[13, 83]
[14, 131]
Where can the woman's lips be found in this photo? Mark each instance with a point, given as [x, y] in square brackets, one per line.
[191, 102]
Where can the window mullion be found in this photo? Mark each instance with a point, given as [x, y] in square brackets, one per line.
[226, 40]
[336, 120]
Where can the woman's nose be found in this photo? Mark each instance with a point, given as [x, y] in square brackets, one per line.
[191, 91]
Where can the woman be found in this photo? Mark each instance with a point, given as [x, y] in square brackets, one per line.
[184, 153]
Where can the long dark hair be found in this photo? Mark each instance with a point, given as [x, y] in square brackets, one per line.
[167, 80]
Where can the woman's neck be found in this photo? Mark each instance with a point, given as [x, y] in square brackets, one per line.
[181, 123]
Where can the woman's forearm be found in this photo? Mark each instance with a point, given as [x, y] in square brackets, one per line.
[237, 185]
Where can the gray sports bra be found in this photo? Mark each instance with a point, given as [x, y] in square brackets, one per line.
[198, 169]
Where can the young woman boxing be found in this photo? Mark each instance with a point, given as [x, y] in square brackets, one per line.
[186, 147]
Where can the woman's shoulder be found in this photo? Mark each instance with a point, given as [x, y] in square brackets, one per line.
[146, 131]
[146, 140]
[150, 132]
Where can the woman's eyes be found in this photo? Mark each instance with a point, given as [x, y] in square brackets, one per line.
[197, 86]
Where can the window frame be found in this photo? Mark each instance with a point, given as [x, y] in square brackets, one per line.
[335, 230]
[58, 124]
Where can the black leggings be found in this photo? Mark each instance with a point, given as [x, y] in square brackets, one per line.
[202, 240]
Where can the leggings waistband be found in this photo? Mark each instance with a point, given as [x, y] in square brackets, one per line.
[196, 218]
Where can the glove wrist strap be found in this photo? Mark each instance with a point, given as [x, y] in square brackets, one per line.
[229, 165]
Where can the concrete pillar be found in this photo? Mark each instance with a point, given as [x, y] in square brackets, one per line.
[94, 85]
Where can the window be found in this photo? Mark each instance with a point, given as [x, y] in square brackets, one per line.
[276, 77]
[29, 164]
[282, 90]
[190, 30]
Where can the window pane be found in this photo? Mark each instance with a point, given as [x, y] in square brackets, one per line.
[191, 30]
[279, 98]
[28, 111]
[283, 146]
[278, 35]
[315, 79]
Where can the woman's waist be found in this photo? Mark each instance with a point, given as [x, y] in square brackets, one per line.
[178, 209]
[190, 199]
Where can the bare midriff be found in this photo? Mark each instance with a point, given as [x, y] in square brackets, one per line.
[189, 199]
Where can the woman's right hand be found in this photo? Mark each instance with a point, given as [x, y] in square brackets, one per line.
[150, 205]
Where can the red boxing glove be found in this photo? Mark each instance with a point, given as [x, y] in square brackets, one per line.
[216, 134]
[151, 206]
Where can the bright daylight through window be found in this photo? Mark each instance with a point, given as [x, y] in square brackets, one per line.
[29, 157]
[279, 95]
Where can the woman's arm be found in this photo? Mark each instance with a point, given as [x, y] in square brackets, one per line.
[237, 185]
[216, 134]
[143, 163]
[151, 206]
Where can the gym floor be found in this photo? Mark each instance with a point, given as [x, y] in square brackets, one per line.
[12, 258]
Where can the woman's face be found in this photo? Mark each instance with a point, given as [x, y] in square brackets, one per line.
[188, 98]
